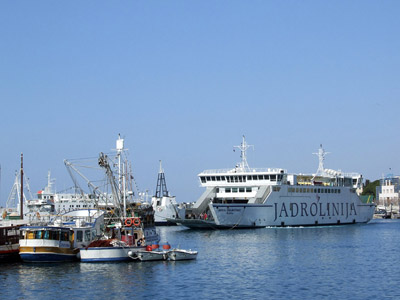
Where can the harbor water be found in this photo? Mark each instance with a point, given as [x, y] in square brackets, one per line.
[339, 262]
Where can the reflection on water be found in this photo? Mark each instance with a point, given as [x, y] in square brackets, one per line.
[343, 262]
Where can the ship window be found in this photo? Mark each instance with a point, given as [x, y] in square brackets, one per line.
[329, 191]
[319, 190]
[297, 190]
[87, 235]
[249, 177]
[38, 234]
[223, 178]
[254, 177]
[260, 177]
[227, 190]
[79, 236]
[308, 190]
[208, 178]
[217, 190]
[203, 179]
[273, 177]
[213, 178]
[240, 178]
[241, 190]
[64, 236]
[266, 177]
[248, 190]
[218, 178]
[236, 179]
[280, 176]
[339, 191]
[234, 190]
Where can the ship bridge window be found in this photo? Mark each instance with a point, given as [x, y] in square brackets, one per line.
[227, 190]
[249, 177]
[254, 177]
[218, 178]
[266, 177]
[241, 190]
[87, 235]
[273, 177]
[280, 176]
[203, 179]
[260, 177]
[234, 190]
[223, 178]
[79, 236]
[208, 178]
[38, 234]
[212, 178]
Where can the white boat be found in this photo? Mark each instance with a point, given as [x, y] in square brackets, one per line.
[245, 197]
[60, 241]
[148, 255]
[164, 205]
[181, 254]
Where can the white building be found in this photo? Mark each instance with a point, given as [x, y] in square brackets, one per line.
[389, 191]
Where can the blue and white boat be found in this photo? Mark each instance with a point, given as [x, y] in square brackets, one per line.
[60, 240]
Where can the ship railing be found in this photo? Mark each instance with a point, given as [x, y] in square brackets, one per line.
[238, 170]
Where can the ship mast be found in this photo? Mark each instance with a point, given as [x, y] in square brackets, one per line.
[121, 175]
[21, 201]
[243, 166]
[161, 189]
[321, 157]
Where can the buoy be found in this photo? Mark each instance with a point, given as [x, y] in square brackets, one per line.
[128, 222]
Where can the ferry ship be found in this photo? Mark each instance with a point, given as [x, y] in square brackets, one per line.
[243, 197]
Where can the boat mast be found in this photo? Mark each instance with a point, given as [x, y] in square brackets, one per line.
[243, 166]
[21, 213]
[121, 175]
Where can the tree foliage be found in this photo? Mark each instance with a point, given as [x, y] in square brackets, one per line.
[370, 187]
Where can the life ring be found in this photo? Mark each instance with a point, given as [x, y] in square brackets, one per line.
[136, 222]
[128, 222]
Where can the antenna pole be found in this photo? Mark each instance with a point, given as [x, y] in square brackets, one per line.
[243, 148]
[22, 188]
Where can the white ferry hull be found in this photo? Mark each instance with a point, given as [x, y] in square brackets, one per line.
[283, 209]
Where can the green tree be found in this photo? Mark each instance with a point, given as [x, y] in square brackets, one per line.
[370, 187]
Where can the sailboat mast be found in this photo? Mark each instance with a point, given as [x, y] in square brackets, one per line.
[22, 188]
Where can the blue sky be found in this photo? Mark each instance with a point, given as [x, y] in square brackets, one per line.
[182, 81]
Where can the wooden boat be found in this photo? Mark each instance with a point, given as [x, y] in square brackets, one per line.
[9, 243]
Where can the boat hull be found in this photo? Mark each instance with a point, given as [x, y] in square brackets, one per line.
[107, 254]
[149, 255]
[178, 254]
[48, 254]
[9, 253]
[285, 211]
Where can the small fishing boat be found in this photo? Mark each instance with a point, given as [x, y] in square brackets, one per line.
[181, 254]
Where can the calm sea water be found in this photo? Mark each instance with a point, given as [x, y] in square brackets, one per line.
[344, 262]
